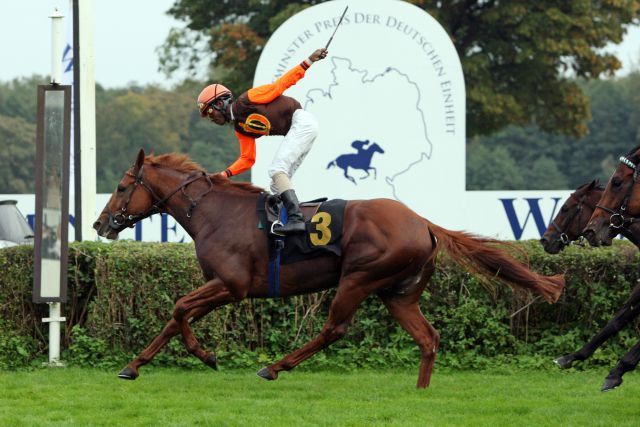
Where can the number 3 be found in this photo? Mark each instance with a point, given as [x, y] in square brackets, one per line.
[322, 220]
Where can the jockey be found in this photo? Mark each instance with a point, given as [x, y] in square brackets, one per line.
[260, 111]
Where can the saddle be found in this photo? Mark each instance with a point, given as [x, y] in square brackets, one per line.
[323, 220]
[277, 213]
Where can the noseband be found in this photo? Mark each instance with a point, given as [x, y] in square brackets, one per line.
[119, 219]
[564, 238]
[617, 219]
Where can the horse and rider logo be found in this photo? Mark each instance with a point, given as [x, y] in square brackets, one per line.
[360, 160]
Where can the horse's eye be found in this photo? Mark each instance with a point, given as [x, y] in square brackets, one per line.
[120, 188]
[616, 182]
[564, 208]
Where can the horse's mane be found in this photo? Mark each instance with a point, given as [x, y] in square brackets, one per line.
[176, 161]
[633, 151]
[598, 186]
[244, 186]
[182, 163]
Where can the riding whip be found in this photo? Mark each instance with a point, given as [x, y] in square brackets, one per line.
[334, 31]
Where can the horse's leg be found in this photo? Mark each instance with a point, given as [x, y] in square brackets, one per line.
[402, 303]
[367, 174]
[626, 364]
[172, 329]
[213, 294]
[346, 175]
[629, 311]
[130, 372]
[407, 313]
[341, 312]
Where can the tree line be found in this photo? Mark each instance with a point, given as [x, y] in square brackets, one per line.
[150, 117]
[162, 120]
[523, 158]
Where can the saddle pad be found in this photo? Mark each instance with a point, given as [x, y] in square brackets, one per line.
[323, 236]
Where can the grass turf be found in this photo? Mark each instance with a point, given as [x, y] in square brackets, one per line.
[72, 396]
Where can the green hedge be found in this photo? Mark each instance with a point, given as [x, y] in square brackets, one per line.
[121, 294]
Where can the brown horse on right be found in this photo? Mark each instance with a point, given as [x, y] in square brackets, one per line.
[387, 250]
[574, 214]
[568, 227]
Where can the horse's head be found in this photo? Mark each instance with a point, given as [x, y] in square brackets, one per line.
[619, 204]
[130, 202]
[568, 224]
[376, 148]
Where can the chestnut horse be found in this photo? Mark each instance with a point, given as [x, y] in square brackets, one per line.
[387, 250]
[618, 211]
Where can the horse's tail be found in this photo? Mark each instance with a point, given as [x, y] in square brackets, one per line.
[488, 258]
[331, 163]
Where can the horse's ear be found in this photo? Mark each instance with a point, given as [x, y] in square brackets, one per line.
[593, 184]
[140, 159]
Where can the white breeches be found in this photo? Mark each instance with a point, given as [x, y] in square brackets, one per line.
[294, 147]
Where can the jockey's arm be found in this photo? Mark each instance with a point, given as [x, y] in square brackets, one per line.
[267, 93]
[247, 155]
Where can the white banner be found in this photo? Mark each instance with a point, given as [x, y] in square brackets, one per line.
[390, 100]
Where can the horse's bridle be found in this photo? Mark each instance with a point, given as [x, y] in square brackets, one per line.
[564, 238]
[617, 219]
[119, 219]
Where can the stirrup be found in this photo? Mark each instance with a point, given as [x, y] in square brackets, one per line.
[277, 223]
[290, 228]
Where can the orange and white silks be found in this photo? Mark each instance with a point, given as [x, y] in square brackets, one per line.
[258, 123]
[266, 93]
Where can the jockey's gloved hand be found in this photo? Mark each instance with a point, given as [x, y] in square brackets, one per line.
[318, 55]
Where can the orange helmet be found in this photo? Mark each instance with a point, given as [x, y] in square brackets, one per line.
[210, 94]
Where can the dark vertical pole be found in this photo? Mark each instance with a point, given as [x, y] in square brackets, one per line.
[77, 164]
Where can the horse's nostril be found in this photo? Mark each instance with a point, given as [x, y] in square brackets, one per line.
[590, 236]
[96, 225]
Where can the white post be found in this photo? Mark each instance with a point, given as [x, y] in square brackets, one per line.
[54, 321]
[87, 111]
[54, 318]
[56, 46]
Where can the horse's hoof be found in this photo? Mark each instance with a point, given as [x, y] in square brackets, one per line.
[266, 374]
[611, 383]
[128, 374]
[212, 361]
[564, 362]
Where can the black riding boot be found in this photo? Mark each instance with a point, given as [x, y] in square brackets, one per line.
[295, 223]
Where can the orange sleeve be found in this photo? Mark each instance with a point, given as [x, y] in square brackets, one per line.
[267, 93]
[247, 155]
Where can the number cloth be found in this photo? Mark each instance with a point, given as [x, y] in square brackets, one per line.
[323, 235]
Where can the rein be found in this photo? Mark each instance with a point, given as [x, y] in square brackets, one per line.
[122, 217]
[617, 219]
